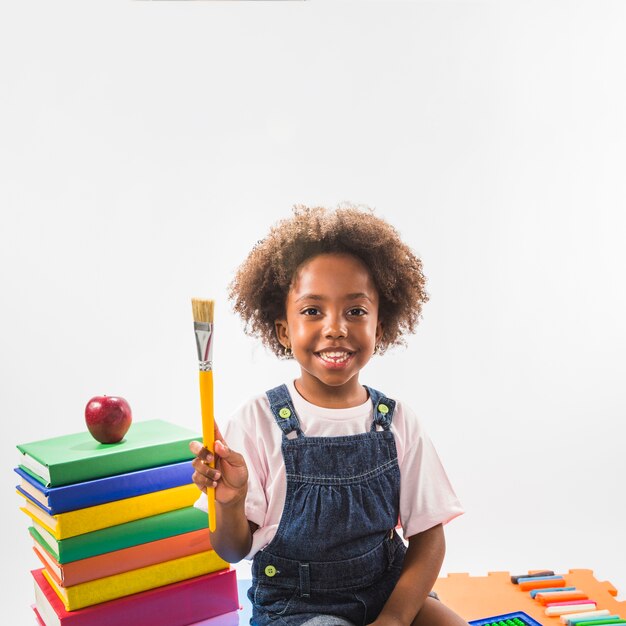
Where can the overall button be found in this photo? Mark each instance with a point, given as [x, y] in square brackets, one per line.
[383, 408]
[285, 413]
[270, 570]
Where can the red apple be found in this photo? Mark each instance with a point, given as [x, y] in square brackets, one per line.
[108, 418]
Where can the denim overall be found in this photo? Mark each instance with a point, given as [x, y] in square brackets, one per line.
[335, 552]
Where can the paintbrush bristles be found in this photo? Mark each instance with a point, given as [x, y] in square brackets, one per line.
[202, 310]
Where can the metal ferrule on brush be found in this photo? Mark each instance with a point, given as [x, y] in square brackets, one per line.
[204, 335]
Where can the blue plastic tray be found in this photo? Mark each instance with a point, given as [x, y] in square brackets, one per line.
[519, 618]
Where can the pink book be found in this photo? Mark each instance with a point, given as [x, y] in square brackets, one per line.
[37, 616]
[180, 604]
[227, 619]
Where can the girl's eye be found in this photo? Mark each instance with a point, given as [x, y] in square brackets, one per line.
[310, 311]
[357, 312]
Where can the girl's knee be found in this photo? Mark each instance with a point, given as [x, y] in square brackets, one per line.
[435, 613]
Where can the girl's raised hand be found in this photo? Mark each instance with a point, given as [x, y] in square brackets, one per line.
[230, 476]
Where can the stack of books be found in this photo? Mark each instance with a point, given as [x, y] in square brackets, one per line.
[116, 531]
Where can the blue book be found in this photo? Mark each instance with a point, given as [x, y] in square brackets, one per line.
[93, 492]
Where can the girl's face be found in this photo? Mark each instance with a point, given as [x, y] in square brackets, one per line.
[331, 327]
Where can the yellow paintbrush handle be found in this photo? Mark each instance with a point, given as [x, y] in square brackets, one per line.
[208, 432]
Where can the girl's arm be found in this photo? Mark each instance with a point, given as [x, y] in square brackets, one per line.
[232, 537]
[422, 563]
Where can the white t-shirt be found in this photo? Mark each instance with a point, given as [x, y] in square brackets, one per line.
[426, 495]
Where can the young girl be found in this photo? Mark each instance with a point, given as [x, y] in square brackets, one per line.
[312, 477]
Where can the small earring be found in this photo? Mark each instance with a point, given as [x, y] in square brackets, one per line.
[288, 352]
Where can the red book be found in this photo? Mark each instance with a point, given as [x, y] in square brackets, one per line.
[180, 604]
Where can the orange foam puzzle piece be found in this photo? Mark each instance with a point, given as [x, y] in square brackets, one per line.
[476, 597]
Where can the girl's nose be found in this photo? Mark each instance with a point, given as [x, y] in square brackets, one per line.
[335, 327]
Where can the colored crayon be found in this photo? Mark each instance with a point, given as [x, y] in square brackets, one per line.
[569, 608]
[557, 596]
[603, 621]
[534, 592]
[573, 617]
[541, 583]
[571, 602]
[515, 579]
[527, 578]
[586, 615]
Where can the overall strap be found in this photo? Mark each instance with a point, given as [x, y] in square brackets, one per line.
[283, 411]
[383, 409]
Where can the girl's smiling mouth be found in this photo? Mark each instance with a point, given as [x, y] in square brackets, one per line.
[334, 358]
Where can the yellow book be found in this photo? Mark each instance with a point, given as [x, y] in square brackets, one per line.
[137, 580]
[81, 521]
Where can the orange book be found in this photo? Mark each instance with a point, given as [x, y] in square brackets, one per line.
[124, 560]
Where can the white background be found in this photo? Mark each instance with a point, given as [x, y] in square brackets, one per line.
[145, 147]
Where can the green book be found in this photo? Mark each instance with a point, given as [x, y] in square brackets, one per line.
[120, 536]
[79, 457]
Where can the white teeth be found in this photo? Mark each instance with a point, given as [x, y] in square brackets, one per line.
[335, 357]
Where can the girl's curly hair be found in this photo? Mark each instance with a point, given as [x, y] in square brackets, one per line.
[259, 289]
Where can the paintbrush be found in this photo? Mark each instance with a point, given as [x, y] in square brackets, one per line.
[203, 326]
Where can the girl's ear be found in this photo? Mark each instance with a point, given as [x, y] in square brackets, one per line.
[282, 332]
[379, 332]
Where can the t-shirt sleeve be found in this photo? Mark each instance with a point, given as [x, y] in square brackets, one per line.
[426, 495]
